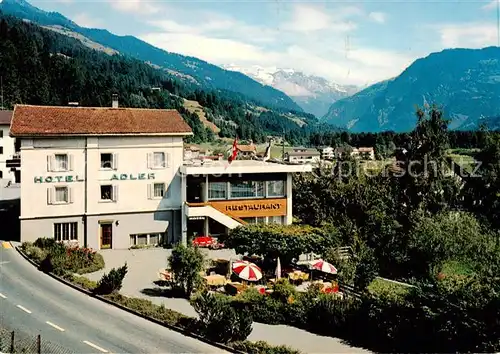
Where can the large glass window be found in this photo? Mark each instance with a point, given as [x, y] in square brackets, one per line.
[247, 189]
[275, 188]
[217, 190]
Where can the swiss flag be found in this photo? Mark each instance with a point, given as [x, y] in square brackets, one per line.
[234, 151]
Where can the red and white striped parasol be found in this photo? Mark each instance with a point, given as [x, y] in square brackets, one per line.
[323, 266]
[247, 271]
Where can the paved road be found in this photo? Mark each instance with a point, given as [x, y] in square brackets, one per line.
[34, 303]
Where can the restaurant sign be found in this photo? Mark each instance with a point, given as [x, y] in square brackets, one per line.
[251, 208]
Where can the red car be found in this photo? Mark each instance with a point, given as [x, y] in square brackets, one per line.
[207, 241]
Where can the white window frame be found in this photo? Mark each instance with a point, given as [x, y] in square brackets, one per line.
[52, 195]
[255, 189]
[114, 161]
[65, 229]
[135, 238]
[151, 160]
[152, 191]
[268, 195]
[114, 193]
[52, 165]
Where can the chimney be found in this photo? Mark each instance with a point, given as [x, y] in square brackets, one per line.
[114, 101]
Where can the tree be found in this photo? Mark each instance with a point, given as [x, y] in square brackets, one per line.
[186, 264]
[112, 281]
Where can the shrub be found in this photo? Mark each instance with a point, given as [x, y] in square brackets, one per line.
[72, 259]
[186, 264]
[261, 347]
[112, 282]
[284, 241]
[220, 319]
[33, 252]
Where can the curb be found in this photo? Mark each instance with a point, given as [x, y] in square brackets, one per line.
[124, 308]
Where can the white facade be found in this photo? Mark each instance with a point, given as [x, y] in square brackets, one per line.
[131, 193]
[327, 153]
[303, 157]
[7, 151]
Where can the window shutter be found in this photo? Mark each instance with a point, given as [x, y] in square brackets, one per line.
[70, 195]
[50, 163]
[150, 190]
[49, 195]
[71, 162]
[150, 160]
[167, 159]
[115, 161]
[115, 193]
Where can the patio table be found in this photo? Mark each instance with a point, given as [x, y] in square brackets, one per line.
[215, 280]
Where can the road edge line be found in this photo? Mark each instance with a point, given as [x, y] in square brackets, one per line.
[131, 311]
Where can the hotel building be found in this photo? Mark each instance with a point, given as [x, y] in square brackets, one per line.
[102, 177]
[116, 177]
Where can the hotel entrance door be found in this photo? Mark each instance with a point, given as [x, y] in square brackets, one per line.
[106, 236]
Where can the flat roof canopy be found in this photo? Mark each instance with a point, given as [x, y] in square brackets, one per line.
[223, 167]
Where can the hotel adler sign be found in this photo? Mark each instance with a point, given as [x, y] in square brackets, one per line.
[251, 208]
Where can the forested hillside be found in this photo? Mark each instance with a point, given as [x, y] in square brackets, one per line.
[39, 66]
[203, 74]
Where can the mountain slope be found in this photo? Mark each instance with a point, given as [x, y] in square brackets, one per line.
[464, 82]
[208, 76]
[313, 93]
[44, 67]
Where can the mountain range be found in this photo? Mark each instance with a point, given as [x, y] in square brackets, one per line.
[194, 70]
[465, 83]
[314, 94]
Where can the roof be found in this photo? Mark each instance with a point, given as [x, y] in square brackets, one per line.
[303, 153]
[246, 148]
[5, 117]
[77, 121]
[223, 167]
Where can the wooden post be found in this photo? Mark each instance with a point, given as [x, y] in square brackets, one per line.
[12, 342]
[38, 344]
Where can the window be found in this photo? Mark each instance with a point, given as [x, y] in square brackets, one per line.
[109, 193]
[152, 239]
[1, 174]
[275, 220]
[1, 133]
[1, 150]
[108, 161]
[157, 160]
[261, 219]
[217, 190]
[250, 220]
[158, 190]
[67, 231]
[275, 188]
[61, 162]
[247, 189]
[61, 195]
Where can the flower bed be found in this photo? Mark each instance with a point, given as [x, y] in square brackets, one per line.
[60, 258]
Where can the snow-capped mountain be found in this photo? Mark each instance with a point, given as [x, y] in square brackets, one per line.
[313, 93]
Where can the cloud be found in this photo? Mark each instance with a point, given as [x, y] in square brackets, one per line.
[468, 35]
[135, 6]
[307, 18]
[491, 5]
[82, 19]
[378, 17]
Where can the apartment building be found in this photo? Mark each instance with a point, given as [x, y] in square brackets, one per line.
[102, 177]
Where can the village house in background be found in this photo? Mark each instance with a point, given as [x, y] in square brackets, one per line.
[102, 177]
[302, 155]
[8, 168]
[246, 150]
[365, 153]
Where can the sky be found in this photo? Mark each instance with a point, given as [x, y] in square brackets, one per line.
[345, 41]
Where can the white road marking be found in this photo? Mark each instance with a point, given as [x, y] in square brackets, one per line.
[24, 309]
[95, 346]
[3, 296]
[55, 326]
